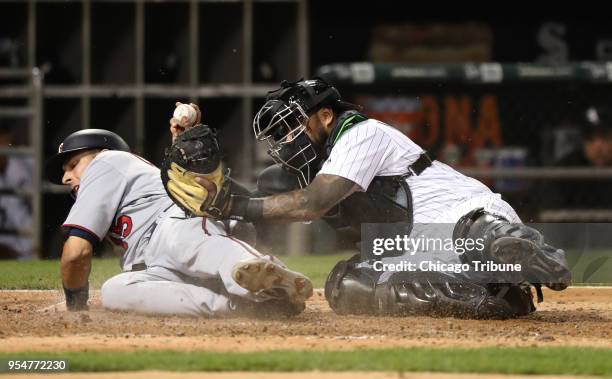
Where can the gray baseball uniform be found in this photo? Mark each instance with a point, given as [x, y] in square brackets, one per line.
[188, 260]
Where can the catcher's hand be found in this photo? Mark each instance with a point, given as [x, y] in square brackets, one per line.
[195, 154]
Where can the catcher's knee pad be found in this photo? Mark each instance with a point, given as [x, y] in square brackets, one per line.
[436, 293]
[540, 262]
[275, 179]
[478, 224]
[350, 289]
[512, 243]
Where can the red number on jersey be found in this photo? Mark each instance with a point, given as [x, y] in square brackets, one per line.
[122, 227]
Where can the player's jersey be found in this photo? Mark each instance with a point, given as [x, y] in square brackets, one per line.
[372, 148]
[120, 195]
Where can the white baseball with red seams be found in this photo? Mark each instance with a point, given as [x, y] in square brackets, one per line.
[185, 114]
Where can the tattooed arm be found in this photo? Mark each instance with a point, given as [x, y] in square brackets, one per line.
[309, 203]
[306, 204]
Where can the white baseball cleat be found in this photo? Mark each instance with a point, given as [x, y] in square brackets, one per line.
[262, 276]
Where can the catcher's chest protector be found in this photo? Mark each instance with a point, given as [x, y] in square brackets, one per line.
[387, 199]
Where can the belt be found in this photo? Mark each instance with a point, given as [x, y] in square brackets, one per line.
[420, 165]
[139, 267]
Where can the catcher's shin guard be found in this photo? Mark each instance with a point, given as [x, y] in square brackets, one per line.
[508, 243]
[350, 289]
[355, 290]
[437, 294]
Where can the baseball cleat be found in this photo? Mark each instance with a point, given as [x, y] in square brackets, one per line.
[262, 276]
[539, 264]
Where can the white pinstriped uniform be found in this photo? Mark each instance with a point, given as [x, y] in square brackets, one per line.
[439, 195]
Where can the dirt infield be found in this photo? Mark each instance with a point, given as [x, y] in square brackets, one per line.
[577, 317]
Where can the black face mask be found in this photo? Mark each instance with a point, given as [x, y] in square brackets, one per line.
[298, 157]
[283, 126]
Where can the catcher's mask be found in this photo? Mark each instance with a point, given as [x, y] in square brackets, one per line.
[282, 120]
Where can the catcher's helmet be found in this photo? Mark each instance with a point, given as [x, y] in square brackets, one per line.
[281, 122]
[82, 140]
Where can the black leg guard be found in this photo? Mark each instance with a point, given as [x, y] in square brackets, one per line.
[432, 293]
[349, 289]
[514, 243]
[353, 290]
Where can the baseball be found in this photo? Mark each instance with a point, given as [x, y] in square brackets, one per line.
[185, 114]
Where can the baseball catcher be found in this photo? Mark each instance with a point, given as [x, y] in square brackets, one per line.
[336, 163]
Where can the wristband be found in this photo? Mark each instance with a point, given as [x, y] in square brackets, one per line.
[246, 209]
[76, 299]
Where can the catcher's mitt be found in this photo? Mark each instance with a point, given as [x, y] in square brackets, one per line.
[195, 153]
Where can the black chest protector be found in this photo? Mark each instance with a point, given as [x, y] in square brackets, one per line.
[387, 200]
